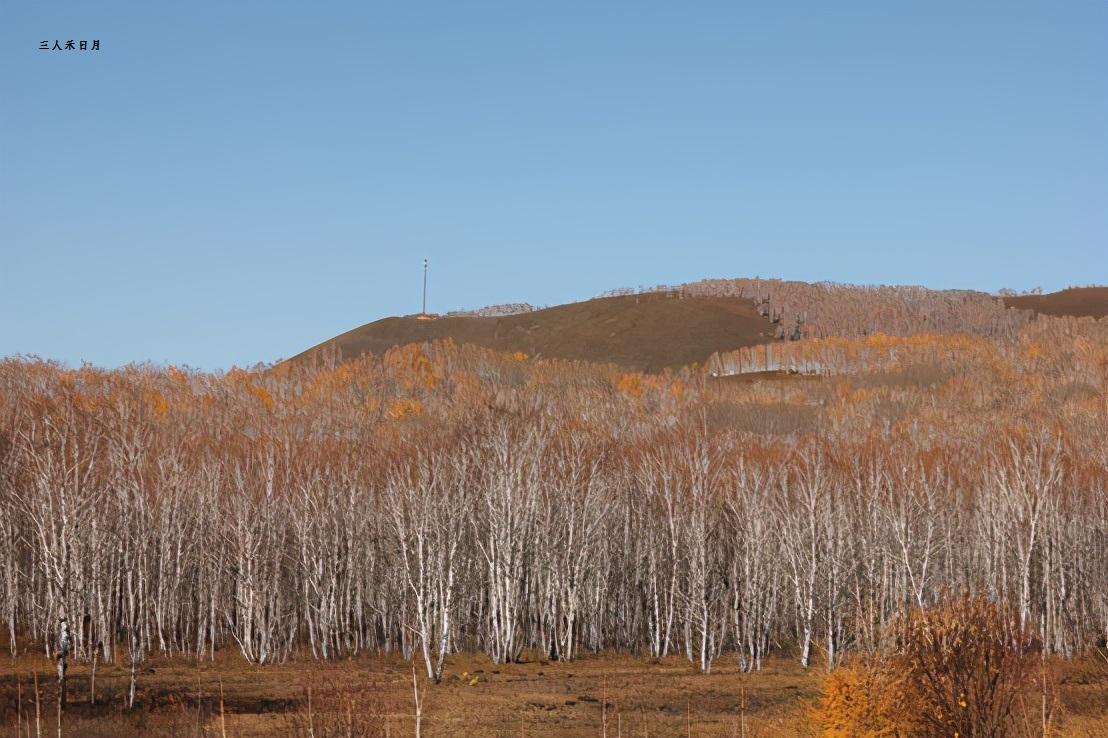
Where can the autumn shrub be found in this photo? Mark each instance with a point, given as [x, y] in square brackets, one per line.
[870, 699]
[963, 669]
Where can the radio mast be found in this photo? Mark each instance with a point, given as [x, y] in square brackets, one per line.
[424, 312]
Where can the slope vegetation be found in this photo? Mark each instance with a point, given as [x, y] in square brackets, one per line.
[1078, 302]
[647, 332]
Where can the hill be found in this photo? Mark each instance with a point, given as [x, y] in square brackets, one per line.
[647, 332]
[1078, 302]
[674, 327]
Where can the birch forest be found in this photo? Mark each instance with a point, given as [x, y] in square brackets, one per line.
[443, 498]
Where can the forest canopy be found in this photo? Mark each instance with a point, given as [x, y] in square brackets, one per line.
[443, 497]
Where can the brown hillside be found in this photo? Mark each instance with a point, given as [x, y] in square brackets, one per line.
[647, 332]
[1078, 302]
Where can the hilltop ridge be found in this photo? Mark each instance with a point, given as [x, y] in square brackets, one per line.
[650, 331]
[671, 327]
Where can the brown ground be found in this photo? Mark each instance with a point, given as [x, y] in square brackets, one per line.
[1078, 302]
[373, 695]
[647, 332]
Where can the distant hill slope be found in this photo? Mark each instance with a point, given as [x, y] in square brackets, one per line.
[646, 332]
[1078, 302]
[826, 309]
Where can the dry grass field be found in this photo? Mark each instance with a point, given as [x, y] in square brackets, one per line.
[647, 332]
[373, 696]
[1077, 302]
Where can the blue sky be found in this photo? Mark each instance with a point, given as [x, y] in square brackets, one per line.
[227, 183]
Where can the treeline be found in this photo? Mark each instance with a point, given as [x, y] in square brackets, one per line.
[828, 309]
[807, 310]
[1055, 347]
[444, 498]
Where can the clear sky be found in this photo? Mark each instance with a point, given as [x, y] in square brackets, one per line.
[232, 182]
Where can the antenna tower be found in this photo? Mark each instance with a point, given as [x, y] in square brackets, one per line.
[424, 311]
